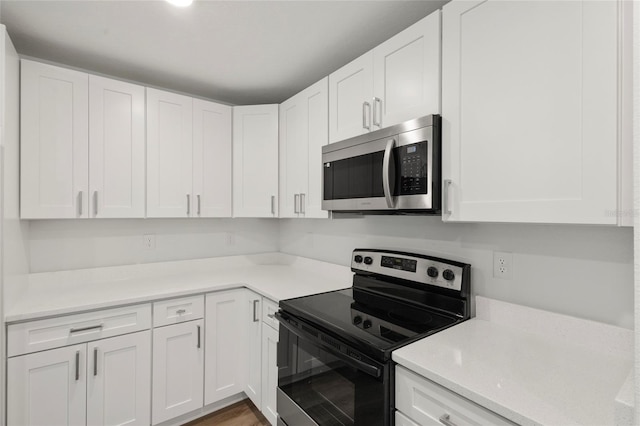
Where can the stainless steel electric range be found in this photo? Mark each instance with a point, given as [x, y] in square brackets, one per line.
[334, 352]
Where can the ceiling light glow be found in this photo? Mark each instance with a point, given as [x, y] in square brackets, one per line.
[180, 3]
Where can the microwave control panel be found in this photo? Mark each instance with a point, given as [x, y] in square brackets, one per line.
[412, 161]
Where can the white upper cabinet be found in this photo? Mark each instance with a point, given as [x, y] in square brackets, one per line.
[303, 133]
[396, 81]
[116, 148]
[211, 159]
[54, 145]
[169, 154]
[350, 99]
[531, 125]
[255, 161]
[406, 74]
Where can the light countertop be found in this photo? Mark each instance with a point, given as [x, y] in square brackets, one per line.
[274, 275]
[530, 366]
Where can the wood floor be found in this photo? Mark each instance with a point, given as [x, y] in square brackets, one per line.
[242, 413]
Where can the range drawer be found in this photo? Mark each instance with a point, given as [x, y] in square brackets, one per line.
[269, 308]
[34, 336]
[428, 403]
[175, 311]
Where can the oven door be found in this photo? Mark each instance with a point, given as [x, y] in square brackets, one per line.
[320, 385]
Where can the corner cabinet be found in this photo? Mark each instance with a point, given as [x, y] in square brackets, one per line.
[188, 156]
[303, 132]
[397, 81]
[255, 161]
[82, 145]
[534, 126]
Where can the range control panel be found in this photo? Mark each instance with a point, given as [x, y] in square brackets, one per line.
[423, 269]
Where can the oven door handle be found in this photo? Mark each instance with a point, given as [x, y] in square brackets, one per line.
[365, 367]
[386, 165]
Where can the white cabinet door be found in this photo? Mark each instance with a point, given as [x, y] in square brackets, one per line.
[255, 161]
[350, 97]
[119, 380]
[253, 361]
[226, 345]
[530, 117]
[53, 142]
[303, 133]
[406, 70]
[169, 154]
[317, 108]
[211, 159]
[48, 388]
[116, 148]
[178, 369]
[269, 373]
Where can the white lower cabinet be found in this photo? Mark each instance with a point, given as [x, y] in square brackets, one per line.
[224, 363]
[423, 402]
[253, 363]
[269, 373]
[178, 370]
[105, 382]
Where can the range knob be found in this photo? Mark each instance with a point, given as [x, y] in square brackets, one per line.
[366, 324]
[357, 319]
[358, 258]
[368, 260]
[432, 271]
[448, 275]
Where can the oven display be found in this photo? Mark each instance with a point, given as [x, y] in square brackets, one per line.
[398, 263]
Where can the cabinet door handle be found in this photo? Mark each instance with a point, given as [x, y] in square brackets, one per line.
[198, 337]
[273, 204]
[445, 197]
[296, 200]
[272, 316]
[377, 104]
[255, 304]
[302, 200]
[181, 311]
[79, 203]
[95, 203]
[365, 106]
[188, 204]
[445, 419]
[77, 365]
[199, 205]
[95, 361]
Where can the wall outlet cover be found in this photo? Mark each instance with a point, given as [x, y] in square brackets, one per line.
[502, 265]
[149, 241]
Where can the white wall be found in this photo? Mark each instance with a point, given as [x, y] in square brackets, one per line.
[584, 271]
[75, 244]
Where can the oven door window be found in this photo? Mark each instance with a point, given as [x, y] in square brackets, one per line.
[330, 391]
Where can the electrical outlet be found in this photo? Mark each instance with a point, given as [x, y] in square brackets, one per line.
[149, 241]
[502, 265]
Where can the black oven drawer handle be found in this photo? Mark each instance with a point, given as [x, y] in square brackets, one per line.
[365, 367]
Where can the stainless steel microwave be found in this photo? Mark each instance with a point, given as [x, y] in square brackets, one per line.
[392, 170]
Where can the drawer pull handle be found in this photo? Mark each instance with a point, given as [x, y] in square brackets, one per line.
[89, 328]
[255, 305]
[445, 419]
[181, 311]
[77, 365]
[198, 337]
[272, 316]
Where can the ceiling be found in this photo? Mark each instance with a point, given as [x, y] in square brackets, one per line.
[238, 52]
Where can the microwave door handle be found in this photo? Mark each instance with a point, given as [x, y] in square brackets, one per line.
[386, 163]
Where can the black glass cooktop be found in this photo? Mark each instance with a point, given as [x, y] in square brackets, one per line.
[375, 324]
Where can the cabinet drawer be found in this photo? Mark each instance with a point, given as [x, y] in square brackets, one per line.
[402, 420]
[34, 336]
[427, 402]
[175, 311]
[269, 308]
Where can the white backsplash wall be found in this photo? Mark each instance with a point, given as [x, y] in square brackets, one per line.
[76, 244]
[583, 271]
